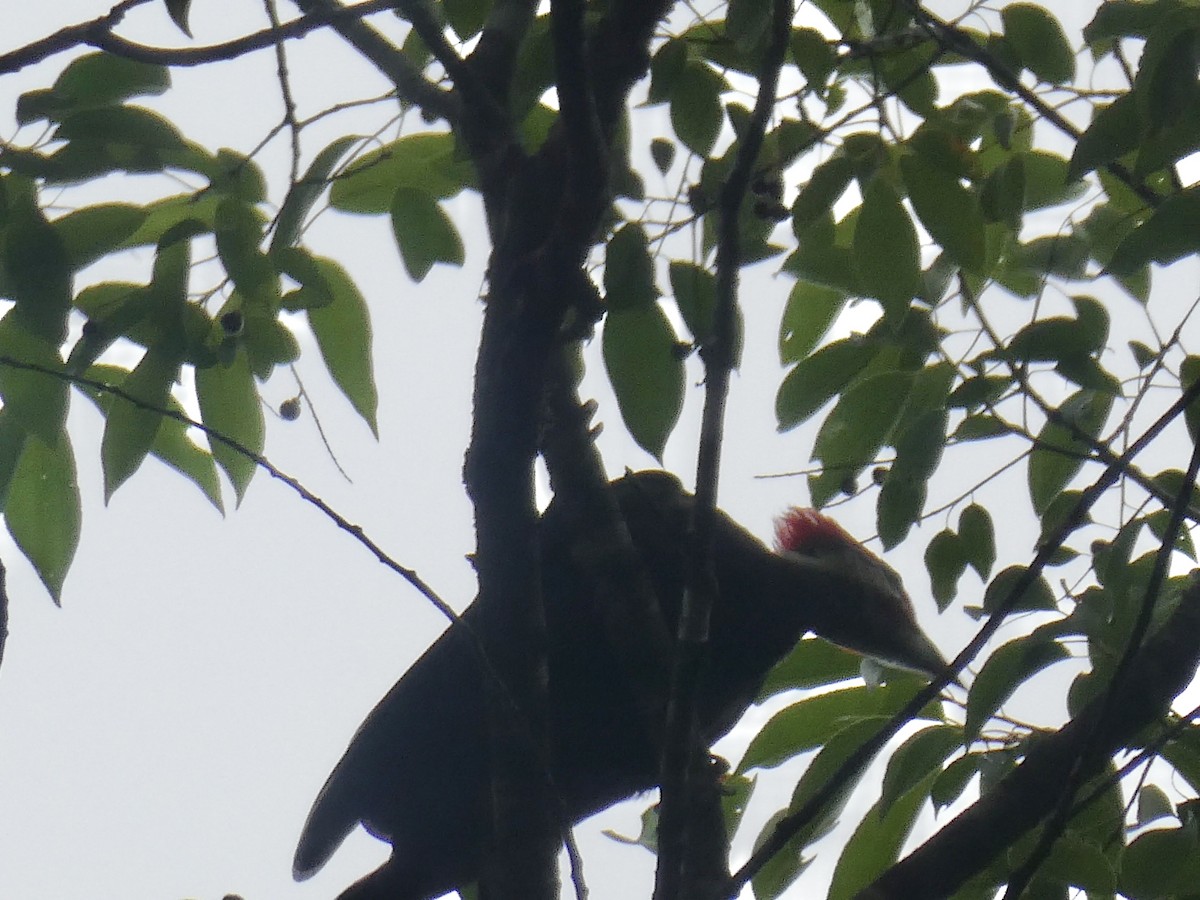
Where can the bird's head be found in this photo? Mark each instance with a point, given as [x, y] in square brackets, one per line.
[863, 605]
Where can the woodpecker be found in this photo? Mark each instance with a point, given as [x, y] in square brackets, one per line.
[416, 772]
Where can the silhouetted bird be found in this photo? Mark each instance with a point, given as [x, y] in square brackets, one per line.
[416, 773]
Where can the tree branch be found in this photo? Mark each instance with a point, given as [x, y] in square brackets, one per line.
[1163, 668]
[385, 56]
[788, 827]
[688, 809]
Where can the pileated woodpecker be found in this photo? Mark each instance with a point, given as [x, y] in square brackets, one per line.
[416, 773]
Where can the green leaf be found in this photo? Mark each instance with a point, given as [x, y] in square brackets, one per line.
[1003, 672]
[178, 11]
[239, 236]
[1115, 130]
[662, 151]
[945, 560]
[36, 400]
[1189, 374]
[646, 373]
[230, 405]
[825, 187]
[466, 17]
[1171, 233]
[628, 270]
[425, 162]
[696, 112]
[808, 723]
[171, 444]
[919, 448]
[810, 312]
[746, 23]
[695, 291]
[887, 256]
[919, 757]
[1037, 596]
[1039, 42]
[812, 663]
[977, 539]
[131, 430]
[950, 213]
[1162, 863]
[305, 192]
[876, 842]
[1153, 803]
[93, 80]
[343, 332]
[424, 233]
[816, 379]
[42, 510]
[814, 56]
[93, 232]
[1047, 180]
[1059, 454]
[953, 780]
[851, 435]
[39, 273]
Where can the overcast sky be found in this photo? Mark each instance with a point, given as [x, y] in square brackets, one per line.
[163, 734]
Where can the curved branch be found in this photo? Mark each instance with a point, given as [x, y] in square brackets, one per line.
[787, 828]
[384, 56]
[1163, 668]
[355, 531]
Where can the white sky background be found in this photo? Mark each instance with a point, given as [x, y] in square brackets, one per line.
[163, 734]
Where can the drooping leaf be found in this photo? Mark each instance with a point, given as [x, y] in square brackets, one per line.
[230, 405]
[131, 430]
[1037, 596]
[662, 151]
[887, 256]
[1171, 233]
[36, 398]
[239, 239]
[1003, 672]
[977, 539]
[1039, 42]
[945, 560]
[628, 270]
[39, 273]
[425, 162]
[466, 17]
[858, 426]
[1114, 131]
[696, 112]
[1061, 449]
[424, 233]
[919, 449]
[919, 757]
[42, 510]
[178, 11]
[343, 332]
[810, 313]
[695, 291]
[876, 842]
[646, 372]
[90, 81]
[949, 212]
[171, 443]
[816, 379]
[93, 232]
[304, 193]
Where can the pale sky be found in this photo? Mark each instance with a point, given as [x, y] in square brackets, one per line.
[163, 734]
